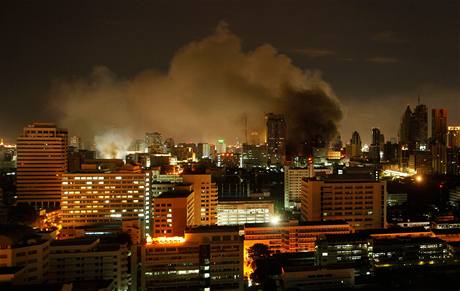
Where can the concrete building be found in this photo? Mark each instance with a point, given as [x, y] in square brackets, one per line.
[292, 185]
[95, 198]
[172, 212]
[237, 212]
[205, 192]
[358, 199]
[276, 138]
[88, 259]
[207, 258]
[254, 156]
[41, 160]
[439, 125]
[25, 251]
[291, 236]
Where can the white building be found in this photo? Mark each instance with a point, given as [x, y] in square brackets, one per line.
[237, 212]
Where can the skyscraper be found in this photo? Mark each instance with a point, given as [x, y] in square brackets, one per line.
[276, 138]
[439, 140]
[374, 150]
[439, 125]
[420, 128]
[42, 159]
[355, 145]
[413, 131]
[404, 129]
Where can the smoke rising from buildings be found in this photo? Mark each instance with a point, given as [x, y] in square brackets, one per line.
[210, 85]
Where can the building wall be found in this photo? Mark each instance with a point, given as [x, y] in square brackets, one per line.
[292, 185]
[80, 262]
[33, 257]
[41, 159]
[172, 215]
[362, 203]
[205, 192]
[91, 198]
[289, 237]
[212, 258]
[241, 212]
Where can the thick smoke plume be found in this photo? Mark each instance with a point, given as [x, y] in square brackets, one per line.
[210, 85]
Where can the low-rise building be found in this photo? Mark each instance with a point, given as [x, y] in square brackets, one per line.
[207, 257]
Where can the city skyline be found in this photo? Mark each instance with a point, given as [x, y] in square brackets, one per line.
[383, 65]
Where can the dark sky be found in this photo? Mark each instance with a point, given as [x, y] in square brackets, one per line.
[378, 56]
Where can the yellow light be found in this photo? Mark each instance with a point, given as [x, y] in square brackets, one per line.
[419, 178]
[166, 240]
[275, 220]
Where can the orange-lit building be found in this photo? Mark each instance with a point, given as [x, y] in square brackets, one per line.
[41, 160]
[95, 198]
[361, 201]
[291, 236]
[205, 191]
[206, 258]
[172, 212]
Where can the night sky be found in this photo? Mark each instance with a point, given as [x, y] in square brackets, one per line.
[378, 56]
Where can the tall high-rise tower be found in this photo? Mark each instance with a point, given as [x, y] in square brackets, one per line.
[276, 138]
[439, 125]
[42, 159]
[374, 150]
[439, 140]
[355, 145]
[420, 128]
[404, 129]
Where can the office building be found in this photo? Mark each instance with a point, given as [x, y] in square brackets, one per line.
[413, 131]
[86, 259]
[292, 185]
[205, 192]
[254, 156]
[203, 151]
[221, 148]
[276, 138]
[374, 149]
[172, 212]
[355, 142]
[291, 236]
[237, 212]
[41, 160]
[358, 199]
[453, 136]
[26, 251]
[439, 126]
[95, 198]
[206, 258]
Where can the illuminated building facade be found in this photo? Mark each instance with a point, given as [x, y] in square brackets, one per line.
[361, 201]
[236, 212]
[94, 198]
[172, 212]
[41, 160]
[291, 236]
[292, 185]
[207, 258]
[88, 259]
[205, 193]
[355, 146]
[276, 138]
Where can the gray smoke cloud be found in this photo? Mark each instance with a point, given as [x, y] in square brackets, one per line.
[210, 85]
